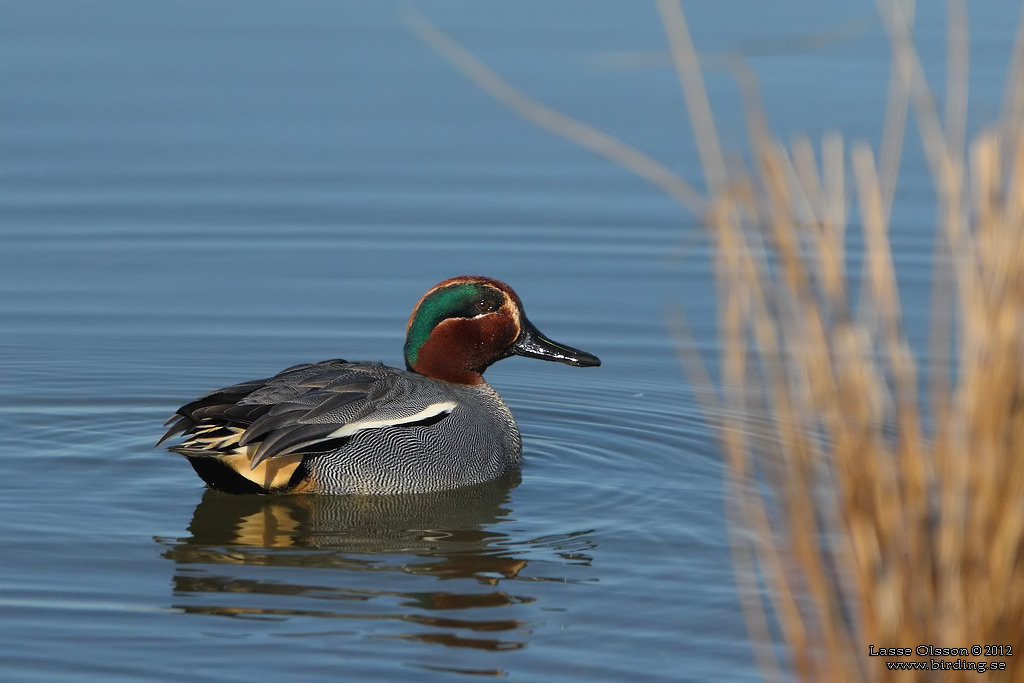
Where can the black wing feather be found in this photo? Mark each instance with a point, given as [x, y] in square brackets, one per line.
[270, 422]
[298, 435]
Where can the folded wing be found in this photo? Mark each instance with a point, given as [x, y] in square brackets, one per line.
[305, 409]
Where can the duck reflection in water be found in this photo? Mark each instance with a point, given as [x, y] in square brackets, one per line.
[382, 556]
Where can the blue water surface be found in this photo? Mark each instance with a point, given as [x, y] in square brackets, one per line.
[194, 194]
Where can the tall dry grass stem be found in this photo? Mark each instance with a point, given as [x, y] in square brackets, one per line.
[874, 498]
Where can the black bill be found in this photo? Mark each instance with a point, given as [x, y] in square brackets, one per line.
[532, 344]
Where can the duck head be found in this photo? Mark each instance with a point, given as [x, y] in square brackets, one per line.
[464, 324]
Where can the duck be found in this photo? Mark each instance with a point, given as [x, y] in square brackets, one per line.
[338, 427]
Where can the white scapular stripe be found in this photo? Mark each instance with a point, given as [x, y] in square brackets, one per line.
[433, 410]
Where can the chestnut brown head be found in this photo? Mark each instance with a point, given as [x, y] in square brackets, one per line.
[463, 325]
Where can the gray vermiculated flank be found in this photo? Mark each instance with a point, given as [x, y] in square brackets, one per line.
[297, 411]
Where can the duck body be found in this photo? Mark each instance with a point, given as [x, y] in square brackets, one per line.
[338, 427]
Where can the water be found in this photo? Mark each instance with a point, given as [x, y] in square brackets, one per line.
[194, 194]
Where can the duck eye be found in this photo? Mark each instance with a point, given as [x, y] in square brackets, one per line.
[483, 306]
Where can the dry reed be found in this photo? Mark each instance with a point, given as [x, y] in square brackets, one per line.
[875, 523]
[869, 507]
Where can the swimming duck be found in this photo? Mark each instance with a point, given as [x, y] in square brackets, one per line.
[337, 427]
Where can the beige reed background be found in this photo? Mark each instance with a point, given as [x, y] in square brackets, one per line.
[875, 498]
